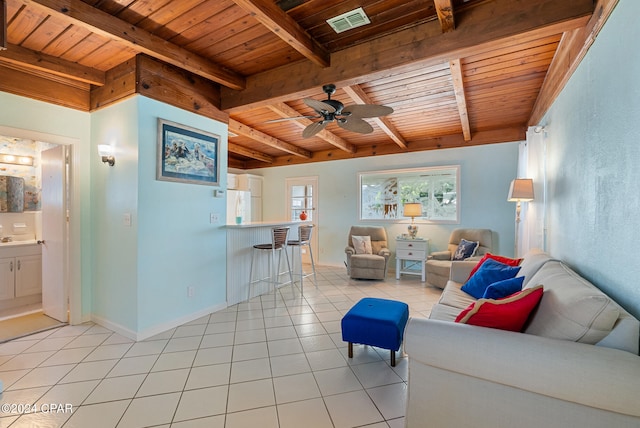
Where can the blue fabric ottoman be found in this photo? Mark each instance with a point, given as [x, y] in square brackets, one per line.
[376, 322]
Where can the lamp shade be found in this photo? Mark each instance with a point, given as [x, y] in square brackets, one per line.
[413, 209]
[521, 189]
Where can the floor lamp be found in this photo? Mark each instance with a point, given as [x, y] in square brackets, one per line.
[521, 190]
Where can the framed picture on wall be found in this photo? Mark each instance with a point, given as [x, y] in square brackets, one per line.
[187, 155]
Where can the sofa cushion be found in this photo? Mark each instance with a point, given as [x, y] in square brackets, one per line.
[510, 313]
[491, 271]
[362, 244]
[502, 289]
[571, 308]
[465, 249]
[506, 260]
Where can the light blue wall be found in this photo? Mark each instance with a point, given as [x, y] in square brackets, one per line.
[486, 172]
[593, 162]
[142, 271]
[37, 116]
[178, 247]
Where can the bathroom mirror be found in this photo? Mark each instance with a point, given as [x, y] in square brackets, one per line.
[11, 194]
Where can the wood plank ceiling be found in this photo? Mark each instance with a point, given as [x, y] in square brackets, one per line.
[456, 72]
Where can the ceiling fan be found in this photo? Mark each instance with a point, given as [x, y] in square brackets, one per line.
[349, 117]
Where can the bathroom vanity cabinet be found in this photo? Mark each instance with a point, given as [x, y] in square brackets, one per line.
[20, 270]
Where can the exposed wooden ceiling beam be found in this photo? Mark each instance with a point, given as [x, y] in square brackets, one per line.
[480, 29]
[571, 50]
[458, 88]
[284, 111]
[444, 9]
[33, 60]
[516, 133]
[242, 129]
[253, 154]
[285, 27]
[357, 94]
[83, 15]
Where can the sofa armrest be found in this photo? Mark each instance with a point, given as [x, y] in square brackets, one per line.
[590, 375]
[460, 270]
[440, 255]
[350, 250]
[384, 253]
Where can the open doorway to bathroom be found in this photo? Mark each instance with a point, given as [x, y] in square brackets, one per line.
[34, 252]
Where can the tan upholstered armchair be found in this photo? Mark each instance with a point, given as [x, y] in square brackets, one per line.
[368, 266]
[439, 262]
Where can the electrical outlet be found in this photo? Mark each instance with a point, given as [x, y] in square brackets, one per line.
[214, 218]
[190, 291]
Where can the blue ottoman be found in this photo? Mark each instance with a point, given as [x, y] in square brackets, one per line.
[376, 322]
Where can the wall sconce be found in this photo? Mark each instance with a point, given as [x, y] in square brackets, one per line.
[106, 152]
[412, 209]
[16, 160]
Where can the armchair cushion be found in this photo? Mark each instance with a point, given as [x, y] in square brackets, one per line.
[362, 244]
[465, 249]
[371, 265]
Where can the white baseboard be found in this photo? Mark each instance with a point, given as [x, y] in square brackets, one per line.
[156, 329]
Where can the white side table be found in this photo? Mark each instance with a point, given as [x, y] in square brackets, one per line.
[411, 254]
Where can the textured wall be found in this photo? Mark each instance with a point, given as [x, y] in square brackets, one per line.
[593, 151]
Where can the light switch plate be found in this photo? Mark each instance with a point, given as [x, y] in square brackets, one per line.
[126, 219]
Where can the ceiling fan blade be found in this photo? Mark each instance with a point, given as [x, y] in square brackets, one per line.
[314, 128]
[367, 110]
[284, 119]
[355, 124]
[319, 106]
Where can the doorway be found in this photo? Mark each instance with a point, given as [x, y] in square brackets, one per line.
[302, 197]
[60, 244]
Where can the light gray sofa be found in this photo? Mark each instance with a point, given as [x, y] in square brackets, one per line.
[439, 262]
[575, 365]
[368, 266]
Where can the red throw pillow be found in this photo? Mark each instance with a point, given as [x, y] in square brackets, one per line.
[510, 313]
[506, 260]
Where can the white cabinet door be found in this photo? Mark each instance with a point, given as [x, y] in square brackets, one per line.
[28, 275]
[7, 282]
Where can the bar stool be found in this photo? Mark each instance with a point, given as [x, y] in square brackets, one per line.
[304, 239]
[278, 244]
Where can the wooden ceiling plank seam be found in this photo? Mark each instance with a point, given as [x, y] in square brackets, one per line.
[242, 129]
[3, 24]
[142, 41]
[458, 89]
[46, 63]
[485, 27]
[253, 154]
[184, 27]
[281, 24]
[569, 54]
[359, 96]
[444, 9]
[25, 23]
[285, 111]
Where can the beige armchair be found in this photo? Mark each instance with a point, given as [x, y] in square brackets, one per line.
[439, 263]
[368, 266]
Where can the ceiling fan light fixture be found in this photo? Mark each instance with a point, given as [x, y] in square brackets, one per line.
[348, 20]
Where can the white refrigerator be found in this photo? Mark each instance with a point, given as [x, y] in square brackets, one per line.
[238, 207]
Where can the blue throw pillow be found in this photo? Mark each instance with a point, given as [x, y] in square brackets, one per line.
[491, 271]
[504, 288]
[465, 249]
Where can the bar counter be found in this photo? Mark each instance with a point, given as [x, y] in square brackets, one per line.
[240, 240]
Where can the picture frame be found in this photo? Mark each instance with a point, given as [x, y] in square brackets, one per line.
[187, 155]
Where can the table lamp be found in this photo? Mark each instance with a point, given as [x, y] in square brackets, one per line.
[413, 209]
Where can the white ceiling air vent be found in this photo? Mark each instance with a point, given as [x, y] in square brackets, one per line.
[349, 20]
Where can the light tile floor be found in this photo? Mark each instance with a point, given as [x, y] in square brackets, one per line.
[275, 361]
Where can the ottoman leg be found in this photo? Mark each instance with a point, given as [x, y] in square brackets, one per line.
[393, 358]
[350, 349]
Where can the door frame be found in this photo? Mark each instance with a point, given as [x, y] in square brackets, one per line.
[314, 181]
[72, 264]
